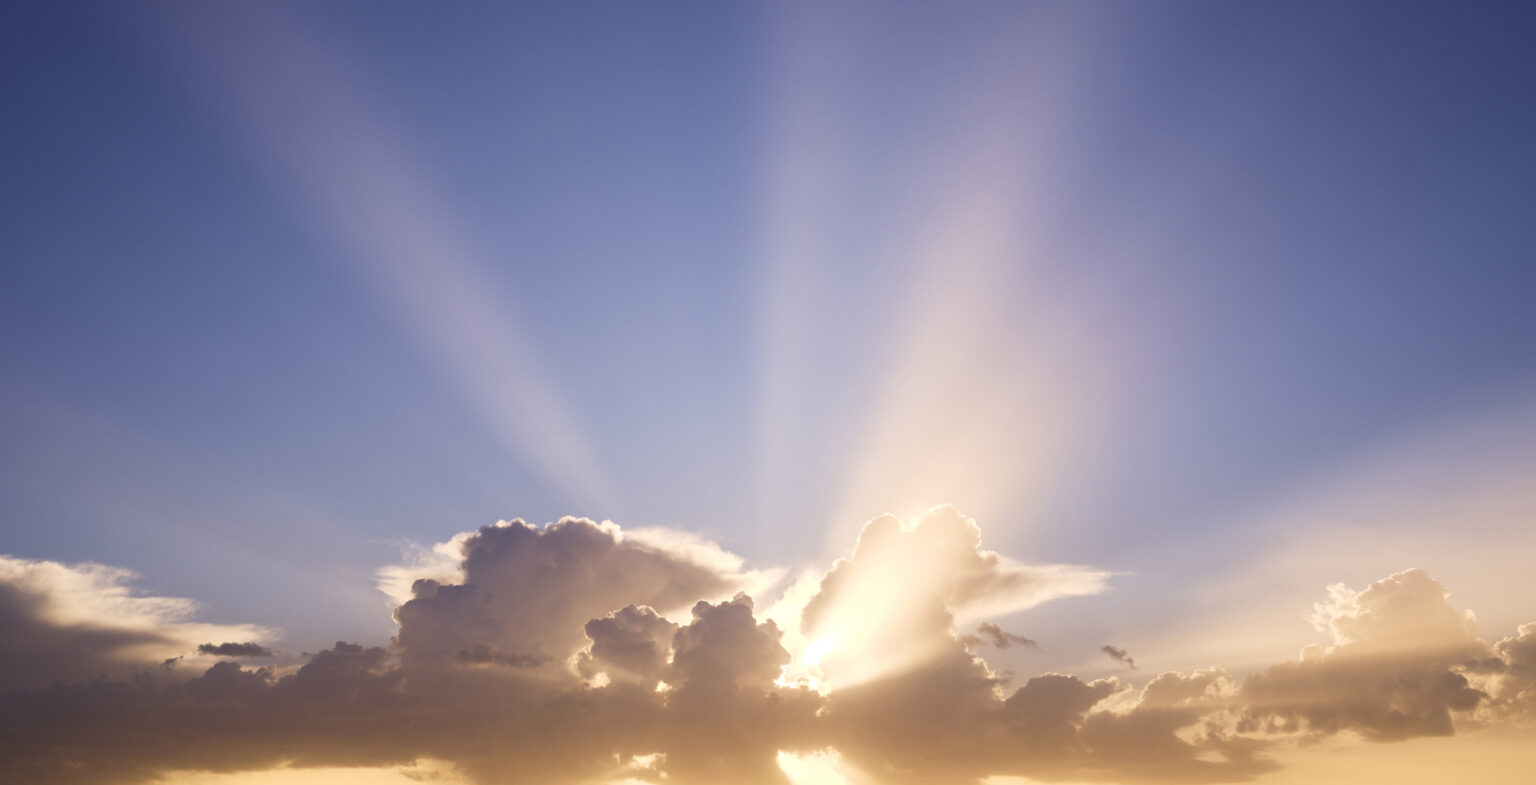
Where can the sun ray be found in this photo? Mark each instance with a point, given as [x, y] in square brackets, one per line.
[398, 232]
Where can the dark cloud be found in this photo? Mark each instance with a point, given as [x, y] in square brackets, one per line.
[729, 719]
[942, 717]
[482, 654]
[469, 679]
[993, 635]
[35, 651]
[927, 724]
[1118, 655]
[234, 650]
[1048, 711]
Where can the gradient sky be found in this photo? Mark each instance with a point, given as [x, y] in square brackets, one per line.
[1230, 301]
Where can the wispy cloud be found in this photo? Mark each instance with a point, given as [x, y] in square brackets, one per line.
[1118, 655]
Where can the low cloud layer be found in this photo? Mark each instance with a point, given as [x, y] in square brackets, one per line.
[578, 653]
[74, 623]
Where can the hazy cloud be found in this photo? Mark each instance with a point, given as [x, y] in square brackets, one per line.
[1394, 671]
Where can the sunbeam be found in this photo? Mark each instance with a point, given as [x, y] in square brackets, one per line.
[790, 393]
[981, 370]
[338, 156]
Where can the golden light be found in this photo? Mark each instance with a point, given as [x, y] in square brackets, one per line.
[822, 767]
[420, 771]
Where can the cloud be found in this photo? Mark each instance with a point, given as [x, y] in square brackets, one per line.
[1393, 672]
[925, 724]
[575, 653]
[631, 644]
[249, 649]
[729, 718]
[75, 622]
[1047, 713]
[1514, 665]
[987, 633]
[525, 593]
[892, 604]
[1118, 655]
[488, 672]
[1180, 729]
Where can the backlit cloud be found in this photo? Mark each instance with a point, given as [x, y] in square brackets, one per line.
[528, 592]
[577, 653]
[893, 603]
[75, 622]
[1395, 670]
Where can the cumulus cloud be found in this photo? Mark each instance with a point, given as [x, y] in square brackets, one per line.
[729, 718]
[1393, 672]
[575, 653]
[1179, 730]
[1514, 667]
[525, 593]
[631, 644]
[893, 603]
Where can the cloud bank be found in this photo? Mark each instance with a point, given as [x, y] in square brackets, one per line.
[78, 622]
[578, 652]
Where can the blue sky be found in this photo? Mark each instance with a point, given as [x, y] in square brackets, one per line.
[286, 287]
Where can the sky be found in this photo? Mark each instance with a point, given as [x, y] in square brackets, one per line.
[767, 392]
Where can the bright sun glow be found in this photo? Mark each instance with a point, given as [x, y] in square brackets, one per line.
[420, 771]
[823, 767]
[820, 648]
[805, 666]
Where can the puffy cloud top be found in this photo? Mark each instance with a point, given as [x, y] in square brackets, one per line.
[527, 592]
[893, 603]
